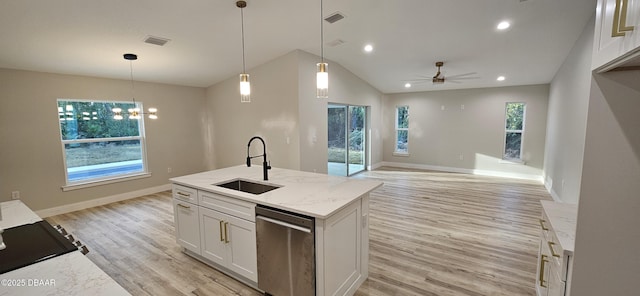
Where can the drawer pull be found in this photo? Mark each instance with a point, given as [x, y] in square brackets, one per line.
[221, 237]
[553, 253]
[183, 206]
[226, 233]
[542, 225]
[184, 194]
[543, 260]
[620, 19]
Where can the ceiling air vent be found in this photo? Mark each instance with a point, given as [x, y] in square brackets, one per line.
[335, 43]
[334, 17]
[156, 40]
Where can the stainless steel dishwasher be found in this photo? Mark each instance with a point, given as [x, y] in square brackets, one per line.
[286, 252]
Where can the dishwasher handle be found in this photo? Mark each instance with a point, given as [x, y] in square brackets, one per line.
[282, 223]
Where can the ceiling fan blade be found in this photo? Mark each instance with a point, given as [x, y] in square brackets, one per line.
[463, 78]
[461, 75]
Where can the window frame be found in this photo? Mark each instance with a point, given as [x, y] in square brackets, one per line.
[520, 131]
[398, 129]
[84, 183]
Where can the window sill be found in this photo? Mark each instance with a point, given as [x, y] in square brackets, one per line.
[89, 184]
[512, 161]
[401, 154]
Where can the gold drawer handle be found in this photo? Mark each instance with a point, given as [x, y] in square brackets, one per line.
[186, 207]
[184, 194]
[542, 225]
[221, 238]
[620, 19]
[226, 234]
[553, 253]
[543, 260]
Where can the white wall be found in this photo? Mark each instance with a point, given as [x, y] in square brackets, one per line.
[272, 114]
[344, 88]
[285, 111]
[567, 120]
[438, 137]
[607, 250]
[31, 151]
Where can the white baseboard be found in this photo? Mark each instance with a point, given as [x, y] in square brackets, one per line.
[374, 166]
[464, 171]
[100, 201]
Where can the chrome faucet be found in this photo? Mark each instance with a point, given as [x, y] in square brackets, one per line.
[265, 164]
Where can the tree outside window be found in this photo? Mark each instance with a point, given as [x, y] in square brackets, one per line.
[97, 147]
[514, 131]
[402, 130]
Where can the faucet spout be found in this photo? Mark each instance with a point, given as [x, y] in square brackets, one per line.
[265, 164]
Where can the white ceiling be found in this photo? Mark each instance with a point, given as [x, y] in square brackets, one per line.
[88, 37]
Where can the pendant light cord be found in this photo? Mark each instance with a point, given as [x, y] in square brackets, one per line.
[244, 71]
[133, 89]
[321, 33]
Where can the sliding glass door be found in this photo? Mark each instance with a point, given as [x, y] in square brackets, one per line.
[347, 141]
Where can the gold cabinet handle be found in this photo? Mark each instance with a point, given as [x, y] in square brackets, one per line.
[620, 19]
[543, 260]
[221, 238]
[226, 234]
[183, 206]
[542, 225]
[184, 194]
[553, 253]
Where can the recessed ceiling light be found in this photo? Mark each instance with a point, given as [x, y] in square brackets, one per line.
[368, 48]
[503, 25]
[500, 78]
[407, 85]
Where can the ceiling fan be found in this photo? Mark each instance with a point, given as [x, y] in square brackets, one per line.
[439, 77]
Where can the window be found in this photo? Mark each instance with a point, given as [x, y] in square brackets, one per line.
[96, 147]
[402, 130]
[514, 131]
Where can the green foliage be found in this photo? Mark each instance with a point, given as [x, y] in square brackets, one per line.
[403, 117]
[515, 116]
[94, 120]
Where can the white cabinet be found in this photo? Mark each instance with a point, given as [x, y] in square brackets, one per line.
[616, 39]
[555, 257]
[187, 225]
[230, 242]
[218, 230]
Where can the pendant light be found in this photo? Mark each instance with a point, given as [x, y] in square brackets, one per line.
[322, 77]
[135, 112]
[245, 85]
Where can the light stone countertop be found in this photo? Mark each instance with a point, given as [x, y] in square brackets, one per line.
[69, 274]
[563, 218]
[312, 194]
[16, 213]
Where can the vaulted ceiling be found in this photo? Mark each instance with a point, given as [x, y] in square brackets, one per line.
[88, 37]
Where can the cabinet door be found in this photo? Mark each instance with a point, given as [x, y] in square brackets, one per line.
[212, 235]
[186, 225]
[241, 249]
[607, 47]
[556, 284]
[542, 275]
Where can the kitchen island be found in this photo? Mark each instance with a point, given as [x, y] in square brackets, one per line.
[217, 225]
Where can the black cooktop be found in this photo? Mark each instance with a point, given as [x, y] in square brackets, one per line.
[32, 243]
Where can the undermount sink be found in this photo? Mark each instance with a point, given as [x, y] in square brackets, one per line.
[248, 186]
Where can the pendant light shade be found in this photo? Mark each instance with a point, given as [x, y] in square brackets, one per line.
[322, 77]
[322, 81]
[135, 112]
[245, 88]
[245, 85]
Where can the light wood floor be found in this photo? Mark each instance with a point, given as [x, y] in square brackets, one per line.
[431, 233]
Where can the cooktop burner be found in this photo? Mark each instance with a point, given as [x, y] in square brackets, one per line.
[32, 243]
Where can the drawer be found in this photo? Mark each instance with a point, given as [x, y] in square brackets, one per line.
[545, 225]
[559, 259]
[228, 205]
[185, 193]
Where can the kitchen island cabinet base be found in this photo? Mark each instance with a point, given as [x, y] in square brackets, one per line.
[222, 269]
